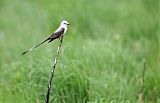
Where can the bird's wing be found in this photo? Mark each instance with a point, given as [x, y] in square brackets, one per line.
[56, 34]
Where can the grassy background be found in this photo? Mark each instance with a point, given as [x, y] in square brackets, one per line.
[102, 56]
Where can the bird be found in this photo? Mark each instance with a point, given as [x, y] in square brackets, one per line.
[55, 35]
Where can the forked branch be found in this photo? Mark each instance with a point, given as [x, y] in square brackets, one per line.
[52, 73]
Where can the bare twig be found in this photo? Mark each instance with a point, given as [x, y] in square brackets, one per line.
[52, 73]
[141, 94]
[143, 73]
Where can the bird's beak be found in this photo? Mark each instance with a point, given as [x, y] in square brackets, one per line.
[68, 24]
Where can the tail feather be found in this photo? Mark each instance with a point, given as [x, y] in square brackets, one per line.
[51, 40]
[35, 46]
[25, 52]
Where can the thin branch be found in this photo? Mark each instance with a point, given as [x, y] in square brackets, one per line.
[143, 74]
[52, 73]
[141, 94]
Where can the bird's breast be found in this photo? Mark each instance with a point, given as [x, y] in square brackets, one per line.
[65, 30]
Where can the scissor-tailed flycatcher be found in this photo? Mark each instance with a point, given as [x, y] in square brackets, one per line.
[56, 35]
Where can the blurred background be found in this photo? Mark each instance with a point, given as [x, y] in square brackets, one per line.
[102, 56]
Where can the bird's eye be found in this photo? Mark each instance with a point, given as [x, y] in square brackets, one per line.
[64, 23]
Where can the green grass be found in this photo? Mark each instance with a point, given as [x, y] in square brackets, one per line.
[101, 59]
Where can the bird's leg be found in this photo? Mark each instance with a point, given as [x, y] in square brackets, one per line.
[60, 39]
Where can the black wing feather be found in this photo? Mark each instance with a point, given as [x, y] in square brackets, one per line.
[56, 35]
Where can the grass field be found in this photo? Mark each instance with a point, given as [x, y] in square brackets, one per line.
[102, 56]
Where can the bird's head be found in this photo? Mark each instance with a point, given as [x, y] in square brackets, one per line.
[64, 23]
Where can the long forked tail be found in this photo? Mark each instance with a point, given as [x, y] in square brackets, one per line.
[35, 46]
